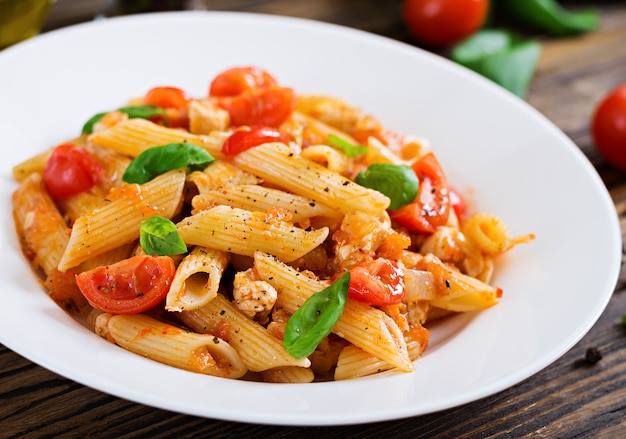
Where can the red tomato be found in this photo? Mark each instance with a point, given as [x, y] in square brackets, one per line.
[379, 282]
[248, 137]
[457, 202]
[608, 127]
[444, 22]
[167, 97]
[70, 171]
[260, 106]
[431, 207]
[130, 286]
[235, 81]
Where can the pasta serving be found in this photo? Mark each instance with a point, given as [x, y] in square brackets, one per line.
[255, 233]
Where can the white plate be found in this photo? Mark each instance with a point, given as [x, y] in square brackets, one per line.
[514, 162]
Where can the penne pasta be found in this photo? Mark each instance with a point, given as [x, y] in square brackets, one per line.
[133, 136]
[258, 349]
[277, 164]
[243, 232]
[197, 279]
[148, 337]
[116, 223]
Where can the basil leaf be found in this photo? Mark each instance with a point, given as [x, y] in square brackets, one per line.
[159, 159]
[133, 112]
[159, 236]
[315, 319]
[549, 16]
[347, 147]
[398, 182]
[500, 56]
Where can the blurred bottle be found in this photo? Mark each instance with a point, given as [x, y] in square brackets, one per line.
[21, 19]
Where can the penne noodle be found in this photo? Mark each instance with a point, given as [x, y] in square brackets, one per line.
[202, 353]
[258, 349]
[40, 227]
[259, 198]
[197, 279]
[278, 165]
[133, 136]
[116, 223]
[243, 232]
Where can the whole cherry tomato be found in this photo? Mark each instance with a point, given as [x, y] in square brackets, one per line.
[236, 80]
[70, 171]
[260, 106]
[441, 23]
[379, 282]
[248, 137]
[167, 97]
[130, 286]
[608, 127]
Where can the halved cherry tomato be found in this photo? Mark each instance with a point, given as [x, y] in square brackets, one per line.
[260, 106]
[130, 286]
[70, 171]
[444, 22]
[608, 127]
[235, 81]
[431, 207]
[248, 137]
[167, 97]
[379, 282]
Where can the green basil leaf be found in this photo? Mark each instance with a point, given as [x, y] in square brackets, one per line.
[549, 16]
[398, 182]
[133, 112]
[88, 127]
[159, 236]
[347, 147]
[315, 319]
[159, 159]
[500, 56]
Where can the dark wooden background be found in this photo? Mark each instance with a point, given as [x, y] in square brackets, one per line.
[570, 398]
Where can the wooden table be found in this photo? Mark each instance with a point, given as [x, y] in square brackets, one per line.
[570, 398]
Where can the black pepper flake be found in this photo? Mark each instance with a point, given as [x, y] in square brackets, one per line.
[447, 283]
[222, 312]
[593, 355]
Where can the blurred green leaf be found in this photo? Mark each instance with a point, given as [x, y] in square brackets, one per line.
[549, 16]
[501, 56]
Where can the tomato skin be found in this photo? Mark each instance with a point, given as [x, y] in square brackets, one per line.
[260, 106]
[457, 202]
[248, 137]
[130, 286]
[167, 97]
[237, 80]
[378, 283]
[70, 171]
[608, 127]
[431, 207]
[441, 23]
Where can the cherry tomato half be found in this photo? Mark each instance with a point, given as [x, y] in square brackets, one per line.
[235, 81]
[260, 106]
[431, 207]
[167, 97]
[442, 23]
[130, 286]
[379, 282]
[608, 127]
[70, 171]
[248, 137]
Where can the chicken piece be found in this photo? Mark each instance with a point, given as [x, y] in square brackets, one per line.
[254, 298]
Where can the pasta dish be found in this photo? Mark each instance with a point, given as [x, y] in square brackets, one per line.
[255, 233]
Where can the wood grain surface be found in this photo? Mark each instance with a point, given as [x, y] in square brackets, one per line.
[572, 398]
